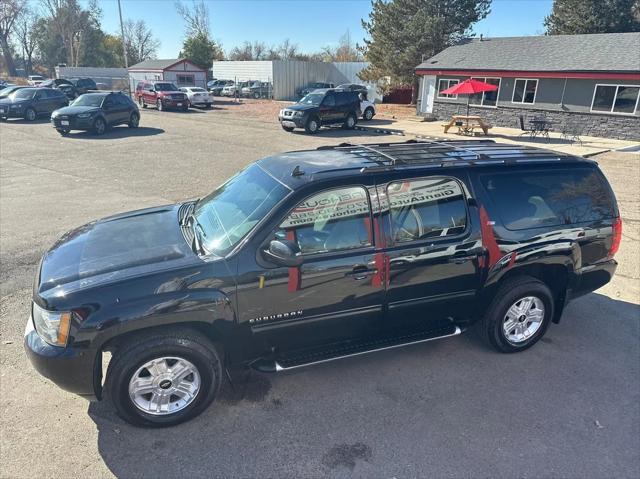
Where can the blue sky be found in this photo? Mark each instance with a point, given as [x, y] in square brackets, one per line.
[311, 24]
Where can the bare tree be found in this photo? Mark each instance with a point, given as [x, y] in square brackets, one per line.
[288, 50]
[140, 43]
[27, 36]
[346, 51]
[249, 51]
[10, 11]
[196, 17]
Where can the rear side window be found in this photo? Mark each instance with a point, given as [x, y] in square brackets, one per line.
[426, 208]
[537, 199]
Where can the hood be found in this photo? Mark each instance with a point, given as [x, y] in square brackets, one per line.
[74, 110]
[301, 107]
[9, 101]
[123, 246]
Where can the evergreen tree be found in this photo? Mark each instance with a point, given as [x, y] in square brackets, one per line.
[403, 32]
[570, 17]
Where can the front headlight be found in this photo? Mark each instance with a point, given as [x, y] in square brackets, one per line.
[84, 115]
[52, 326]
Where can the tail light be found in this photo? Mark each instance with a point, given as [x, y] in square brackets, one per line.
[617, 237]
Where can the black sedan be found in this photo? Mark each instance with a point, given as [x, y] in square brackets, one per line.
[96, 112]
[29, 103]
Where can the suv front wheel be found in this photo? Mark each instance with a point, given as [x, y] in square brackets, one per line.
[519, 315]
[165, 379]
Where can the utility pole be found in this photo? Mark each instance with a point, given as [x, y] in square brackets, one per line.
[124, 44]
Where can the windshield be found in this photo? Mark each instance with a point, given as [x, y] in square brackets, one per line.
[229, 213]
[23, 94]
[5, 91]
[165, 87]
[312, 99]
[89, 100]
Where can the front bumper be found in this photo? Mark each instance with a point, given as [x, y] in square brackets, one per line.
[71, 369]
[171, 103]
[292, 121]
[12, 113]
[73, 123]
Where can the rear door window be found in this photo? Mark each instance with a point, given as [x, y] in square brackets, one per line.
[526, 200]
[422, 208]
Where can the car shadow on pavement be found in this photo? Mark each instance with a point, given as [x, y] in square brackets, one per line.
[294, 424]
[116, 132]
[338, 132]
[18, 121]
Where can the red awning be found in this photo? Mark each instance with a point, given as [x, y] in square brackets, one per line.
[469, 87]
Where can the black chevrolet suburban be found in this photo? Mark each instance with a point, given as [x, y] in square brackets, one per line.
[322, 107]
[306, 257]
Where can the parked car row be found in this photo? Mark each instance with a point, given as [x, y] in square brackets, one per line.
[246, 89]
[96, 111]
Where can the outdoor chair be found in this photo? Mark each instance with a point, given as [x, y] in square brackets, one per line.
[572, 132]
[526, 131]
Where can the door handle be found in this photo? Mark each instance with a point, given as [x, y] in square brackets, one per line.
[361, 273]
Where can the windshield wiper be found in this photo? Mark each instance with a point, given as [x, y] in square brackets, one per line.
[198, 245]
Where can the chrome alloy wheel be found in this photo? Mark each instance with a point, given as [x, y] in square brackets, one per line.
[164, 385]
[523, 319]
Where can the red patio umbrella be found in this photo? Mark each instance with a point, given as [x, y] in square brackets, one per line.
[469, 87]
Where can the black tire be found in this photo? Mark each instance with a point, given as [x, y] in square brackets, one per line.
[256, 95]
[368, 114]
[509, 294]
[287, 128]
[180, 343]
[30, 114]
[350, 121]
[99, 126]
[134, 120]
[159, 105]
[185, 108]
[62, 131]
[313, 125]
[141, 102]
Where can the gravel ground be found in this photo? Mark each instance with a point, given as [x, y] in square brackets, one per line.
[450, 408]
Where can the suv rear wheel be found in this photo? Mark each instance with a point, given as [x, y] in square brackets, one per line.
[350, 121]
[141, 102]
[134, 120]
[519, 315]
[164, 379]
[99, 126]
[368, 113]
[313, 125]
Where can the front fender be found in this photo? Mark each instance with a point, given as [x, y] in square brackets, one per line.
[211, 308]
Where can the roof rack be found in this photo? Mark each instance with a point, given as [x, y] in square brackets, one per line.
[432, 153]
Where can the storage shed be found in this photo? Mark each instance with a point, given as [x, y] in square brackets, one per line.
[180, 71]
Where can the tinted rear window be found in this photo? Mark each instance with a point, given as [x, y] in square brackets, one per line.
[549, 198]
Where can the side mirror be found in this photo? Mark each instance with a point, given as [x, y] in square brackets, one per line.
[283, 253]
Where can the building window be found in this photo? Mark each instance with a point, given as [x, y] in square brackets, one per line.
[488, 98]
[186, 80]
[445, 83]
[621, 99]
[524, 91]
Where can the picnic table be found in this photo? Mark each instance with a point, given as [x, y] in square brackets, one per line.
[467, 124]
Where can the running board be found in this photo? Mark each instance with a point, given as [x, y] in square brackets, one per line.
[302, 359]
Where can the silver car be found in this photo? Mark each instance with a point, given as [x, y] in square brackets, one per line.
[197, 96]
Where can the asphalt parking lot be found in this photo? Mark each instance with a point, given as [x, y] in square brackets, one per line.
[568, 407]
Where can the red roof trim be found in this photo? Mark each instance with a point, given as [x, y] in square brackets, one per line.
[534, 74]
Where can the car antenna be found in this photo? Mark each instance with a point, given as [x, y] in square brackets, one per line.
[297, 171]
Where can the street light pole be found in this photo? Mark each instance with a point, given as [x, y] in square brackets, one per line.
[124, 45]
